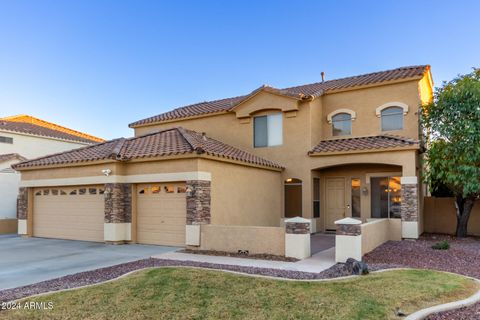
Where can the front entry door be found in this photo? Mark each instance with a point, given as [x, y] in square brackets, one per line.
[335, 201]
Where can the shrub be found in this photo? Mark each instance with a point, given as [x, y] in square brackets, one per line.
[442, 245]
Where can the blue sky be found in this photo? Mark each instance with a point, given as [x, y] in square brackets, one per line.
[98, 65]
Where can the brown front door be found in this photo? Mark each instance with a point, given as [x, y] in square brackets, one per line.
[335, 201]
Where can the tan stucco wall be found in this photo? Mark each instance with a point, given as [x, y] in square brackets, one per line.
[440, 216]
[242, 195]
[128, 168]
[365, 101]
[262, 100]
[8, 226]
[376, 232]
[256, 240]
[70, 171]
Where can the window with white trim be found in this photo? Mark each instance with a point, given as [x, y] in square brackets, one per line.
[392, 118]
[342, 124]
[268, 130]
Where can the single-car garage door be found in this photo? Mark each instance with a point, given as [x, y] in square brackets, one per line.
[75, 213]
[161, 214]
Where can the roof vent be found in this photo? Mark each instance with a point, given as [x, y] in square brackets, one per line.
[204, 136]
[323, 76]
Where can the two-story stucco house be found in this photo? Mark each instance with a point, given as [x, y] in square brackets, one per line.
[25, 137]
[324, 151]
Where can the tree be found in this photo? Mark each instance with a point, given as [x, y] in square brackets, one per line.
[451, 124]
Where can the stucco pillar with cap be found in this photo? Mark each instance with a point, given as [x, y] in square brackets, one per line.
[297, 238]
[409, 207]
[348, 240]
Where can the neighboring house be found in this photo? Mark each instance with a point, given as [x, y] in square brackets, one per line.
[197, 174]
[26, 137]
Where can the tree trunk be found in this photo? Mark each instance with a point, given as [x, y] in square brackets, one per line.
[464, 207]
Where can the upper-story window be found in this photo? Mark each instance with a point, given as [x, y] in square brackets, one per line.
[6, 140]
[267, 130]
[392, 118]
[391, 114]
[342, 124]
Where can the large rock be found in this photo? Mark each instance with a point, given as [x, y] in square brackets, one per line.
[356, 267]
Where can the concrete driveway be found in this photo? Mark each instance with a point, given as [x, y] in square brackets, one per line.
[29, 260]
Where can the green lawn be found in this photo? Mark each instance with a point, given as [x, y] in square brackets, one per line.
[180, 293]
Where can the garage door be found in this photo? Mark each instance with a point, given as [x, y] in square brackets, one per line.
[161, 214]
[75, 213]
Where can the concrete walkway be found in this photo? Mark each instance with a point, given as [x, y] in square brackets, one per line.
[316, 263]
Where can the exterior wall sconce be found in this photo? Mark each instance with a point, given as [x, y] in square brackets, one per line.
[365, 191]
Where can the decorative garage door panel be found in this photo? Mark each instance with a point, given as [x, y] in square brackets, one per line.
[75, 213]
[161, 214]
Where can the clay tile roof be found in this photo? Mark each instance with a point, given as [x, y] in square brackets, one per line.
[10, 156]
[30, 128]
[362, 143]
[164, 143]
[301, 92]
[317, 89]
[43, 123]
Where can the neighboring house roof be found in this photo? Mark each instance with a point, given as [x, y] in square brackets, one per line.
[49, 125]
[175, 141]
[11, 156]
[29, 128]
[309, 91]
[363, 143]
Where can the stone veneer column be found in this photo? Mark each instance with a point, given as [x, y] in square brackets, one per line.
[297, 238]
[198, 209]
[409, 207]
[22, 210]
[118, 212]
[348, 240]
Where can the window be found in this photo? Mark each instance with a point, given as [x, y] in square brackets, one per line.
[73, 192]
[92, 190]
[169, 189]
[181, 189]
[342, 124]
[392, 118]
[293, 198]
[267, 130]
[156, 189]
[386, 197]
[316, 197]
[6, 140]
[54, 192]
[355, 190]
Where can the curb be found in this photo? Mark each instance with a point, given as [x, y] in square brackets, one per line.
[422, 314]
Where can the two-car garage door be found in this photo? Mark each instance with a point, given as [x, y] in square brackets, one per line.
[77, 213]
[74, 213]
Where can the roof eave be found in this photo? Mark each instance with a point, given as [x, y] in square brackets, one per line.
[376, 150]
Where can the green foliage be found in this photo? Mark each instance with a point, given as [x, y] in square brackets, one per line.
[442, 245]
[452, 125]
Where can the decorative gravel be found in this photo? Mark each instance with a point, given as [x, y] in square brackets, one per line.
[104, 274]
[463, 257]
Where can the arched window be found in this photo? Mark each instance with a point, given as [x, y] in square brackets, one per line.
[392, 118]
[342, 124]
